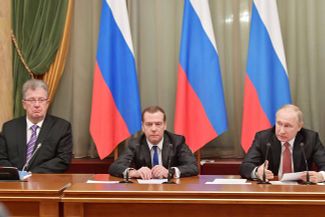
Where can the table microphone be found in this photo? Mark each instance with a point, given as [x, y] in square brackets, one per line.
[171, 171]
[126, 175]
[307, 182]
[264, 181]
[32, 157]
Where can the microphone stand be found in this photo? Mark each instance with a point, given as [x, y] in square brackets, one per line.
[264, 181]
[126, 177]
[307, 182]
[171, 171]
[31, 158]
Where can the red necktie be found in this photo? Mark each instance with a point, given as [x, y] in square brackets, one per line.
[286, 160]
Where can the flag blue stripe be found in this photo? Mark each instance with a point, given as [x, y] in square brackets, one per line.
[200, 62]
[265, 69]
[117, 65]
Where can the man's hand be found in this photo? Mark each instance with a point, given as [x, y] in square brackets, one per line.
[314, 177]
[268, 173]
[159, 171]
[143, 173]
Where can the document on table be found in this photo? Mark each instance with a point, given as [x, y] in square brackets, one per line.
[140, 181]
[295, 177]
[229, 181]
[151, 181]
[284, 182]
[291, 176]
[102, 181]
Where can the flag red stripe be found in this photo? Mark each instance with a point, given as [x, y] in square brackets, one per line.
[193, 113]
[107, 124]
[254, 117]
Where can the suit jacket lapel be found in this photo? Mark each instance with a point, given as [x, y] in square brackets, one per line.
[297, 162]
[22, 140]
[276, 154]
[144, 149]
[165, 151]
[46, 127]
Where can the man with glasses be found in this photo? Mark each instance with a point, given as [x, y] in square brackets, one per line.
[154, 151]
[37, 142]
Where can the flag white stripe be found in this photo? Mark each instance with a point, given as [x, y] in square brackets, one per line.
[269, 14]
[120, 14]
[202, 10]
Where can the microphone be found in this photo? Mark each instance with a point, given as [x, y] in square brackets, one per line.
[126, 176]
[264, 181]
[307, 182]
[171, 171]
[26, 165]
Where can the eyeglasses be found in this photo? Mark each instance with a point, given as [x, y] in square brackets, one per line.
[33, 101]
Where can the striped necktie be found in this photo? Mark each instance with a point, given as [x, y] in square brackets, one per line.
[31, 143]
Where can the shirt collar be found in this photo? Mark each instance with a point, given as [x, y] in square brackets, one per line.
[291, 142]
[30, 124]
[160, 144]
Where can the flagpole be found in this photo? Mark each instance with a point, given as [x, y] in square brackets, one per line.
[116, 153]
[198, 159]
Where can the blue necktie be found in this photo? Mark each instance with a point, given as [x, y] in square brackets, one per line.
[155, 160]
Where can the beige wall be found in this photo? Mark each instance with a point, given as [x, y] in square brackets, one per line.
[5, 62]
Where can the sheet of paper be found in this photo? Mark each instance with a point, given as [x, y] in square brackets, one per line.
[284, 183]
[229, 181]
[151, 181]
[291, 176]
[102, 181]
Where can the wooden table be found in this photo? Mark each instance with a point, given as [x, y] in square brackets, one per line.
[39, 195]
[191, 197]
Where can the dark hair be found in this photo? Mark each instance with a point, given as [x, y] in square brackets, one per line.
[153, 109]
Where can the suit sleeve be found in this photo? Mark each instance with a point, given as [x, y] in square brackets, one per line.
[186, 162]
[124, 161]
[253, 158]
[4, 161]
[319, 153]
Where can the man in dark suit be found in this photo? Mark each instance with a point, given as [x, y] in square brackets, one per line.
[147, 156]
[288, 139]
[37, 142]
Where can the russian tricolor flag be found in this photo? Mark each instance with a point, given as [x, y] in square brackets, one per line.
[266, 84]
[116, 112]
[200, 106]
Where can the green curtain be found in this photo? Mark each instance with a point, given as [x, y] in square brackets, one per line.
[37, 27]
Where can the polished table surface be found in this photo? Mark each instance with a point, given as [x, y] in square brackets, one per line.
[191, 197]
[39, 195]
